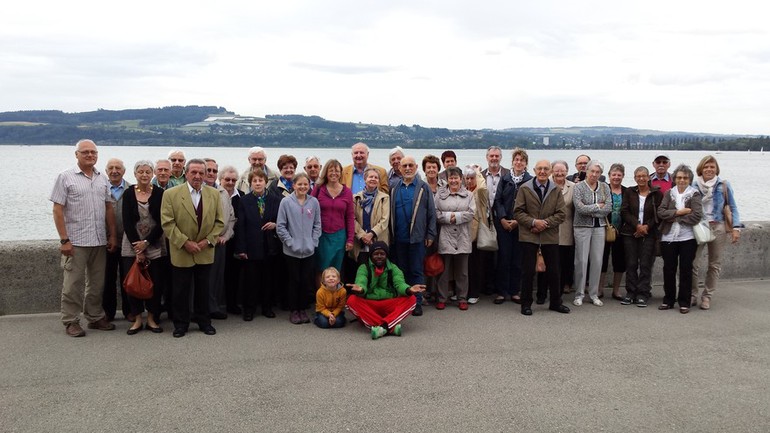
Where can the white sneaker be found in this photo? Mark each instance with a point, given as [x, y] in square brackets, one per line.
[473, 300]
[598, 302]
[453, 298]
[577, 302]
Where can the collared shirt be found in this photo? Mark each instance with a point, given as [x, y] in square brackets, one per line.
[358, 184]
[84, 200]
[393, 178]
[176, 180]
[541, 188]
[195, 194]
[663, 183]
[154, 182]
[492, 181]
[117, 191]
[403, 214]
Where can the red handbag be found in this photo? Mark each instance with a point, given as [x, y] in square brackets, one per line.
[138, 283]
[433, 265]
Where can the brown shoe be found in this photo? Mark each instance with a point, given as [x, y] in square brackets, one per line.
[74, 330]
[102, 325]
[705, 303]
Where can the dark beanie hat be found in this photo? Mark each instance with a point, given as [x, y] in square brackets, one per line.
[379, 245]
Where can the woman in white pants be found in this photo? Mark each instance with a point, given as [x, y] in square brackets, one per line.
[592, 205]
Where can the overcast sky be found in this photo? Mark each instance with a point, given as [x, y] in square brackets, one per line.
[698, 66]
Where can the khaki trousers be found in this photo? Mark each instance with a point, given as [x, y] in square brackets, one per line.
[83, 284]
[715, 249]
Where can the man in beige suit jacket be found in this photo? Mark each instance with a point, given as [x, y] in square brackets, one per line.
[353, 175]
[191, 216]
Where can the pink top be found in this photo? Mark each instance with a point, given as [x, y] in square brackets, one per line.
[336, 212]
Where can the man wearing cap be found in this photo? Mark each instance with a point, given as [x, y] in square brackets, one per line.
[660, 176]
[382, 297]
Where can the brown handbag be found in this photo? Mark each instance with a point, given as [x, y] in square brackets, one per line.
[540, 262]
[138, 283]
[610, 232]
[728, 213]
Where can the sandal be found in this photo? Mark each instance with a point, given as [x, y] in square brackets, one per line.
[684, 310]
[499, 299]
[516, 299]
[665, 307]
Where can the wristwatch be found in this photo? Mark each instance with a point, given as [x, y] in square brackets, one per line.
[64, 241]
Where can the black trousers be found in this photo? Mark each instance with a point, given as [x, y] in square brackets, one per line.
[158, 273]
[640, 256]
[300, 281]
[552, 272]
[187, 282]
[114, 274]
[679, 254]
[259, 284]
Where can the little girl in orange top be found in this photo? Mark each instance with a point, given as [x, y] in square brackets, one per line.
[330, 301]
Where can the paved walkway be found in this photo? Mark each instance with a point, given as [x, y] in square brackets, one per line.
[490, 369]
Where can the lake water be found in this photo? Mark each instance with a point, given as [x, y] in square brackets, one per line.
[27, 212]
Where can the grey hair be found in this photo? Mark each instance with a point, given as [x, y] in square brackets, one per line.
[468, 171]
[686, 170]
[618, 166]
[227, 169]
[77, 145]
[176, 151]
[454, 171]
[195, 161]
[256, 149]
[144, 162]
[494, 147]
[595, 162]
[312, 157]
[396, 150]
[562, 162]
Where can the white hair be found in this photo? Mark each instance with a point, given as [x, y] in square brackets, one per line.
[256, 149]
[396, 150]
[176, 151]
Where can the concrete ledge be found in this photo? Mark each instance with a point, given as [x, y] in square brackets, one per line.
[32, 277]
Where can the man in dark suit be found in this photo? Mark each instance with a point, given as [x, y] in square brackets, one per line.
[192, 219]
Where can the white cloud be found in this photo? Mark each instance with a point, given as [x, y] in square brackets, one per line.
[699, 66]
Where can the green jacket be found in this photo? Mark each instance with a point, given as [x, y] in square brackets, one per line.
[389, 285]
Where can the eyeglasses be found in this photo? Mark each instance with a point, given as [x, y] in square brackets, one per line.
[89, 152]
[408, 165]
[212, 170]
[229, 179]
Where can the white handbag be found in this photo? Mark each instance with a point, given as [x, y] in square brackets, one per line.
[486, 239]
[703, 233]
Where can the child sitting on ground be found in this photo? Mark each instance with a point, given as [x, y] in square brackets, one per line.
[330, 301]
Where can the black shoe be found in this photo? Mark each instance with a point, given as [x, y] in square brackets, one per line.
[560, 309]
[208, 330]
[155, 330]
[268, 313]
[499, 300]
[417, 310]
[179, 332]
[626, 301]
[133, 331]
[540, 301]
[248, 317]
[526, 311]
[218, 315]
[641, 302]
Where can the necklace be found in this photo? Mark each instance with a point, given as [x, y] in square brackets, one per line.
[146, 190]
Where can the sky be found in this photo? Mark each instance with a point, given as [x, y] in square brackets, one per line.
[695, 66]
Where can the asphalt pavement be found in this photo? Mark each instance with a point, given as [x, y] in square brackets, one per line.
[489, 369]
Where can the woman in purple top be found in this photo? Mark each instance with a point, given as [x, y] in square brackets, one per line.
[337, 217]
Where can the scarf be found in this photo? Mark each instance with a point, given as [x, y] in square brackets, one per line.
[288, 184]
[707, 191]
[367, 203]
[260, 202]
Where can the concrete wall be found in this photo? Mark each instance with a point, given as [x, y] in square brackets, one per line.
[32, 277]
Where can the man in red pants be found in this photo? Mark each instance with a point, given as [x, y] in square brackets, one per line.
[382, 298]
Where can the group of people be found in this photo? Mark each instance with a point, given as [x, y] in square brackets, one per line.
[360, 238]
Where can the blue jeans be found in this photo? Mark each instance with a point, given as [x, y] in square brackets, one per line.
[323, 322]
[409, 257]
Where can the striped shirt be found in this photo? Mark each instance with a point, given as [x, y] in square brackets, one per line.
[84, 200]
